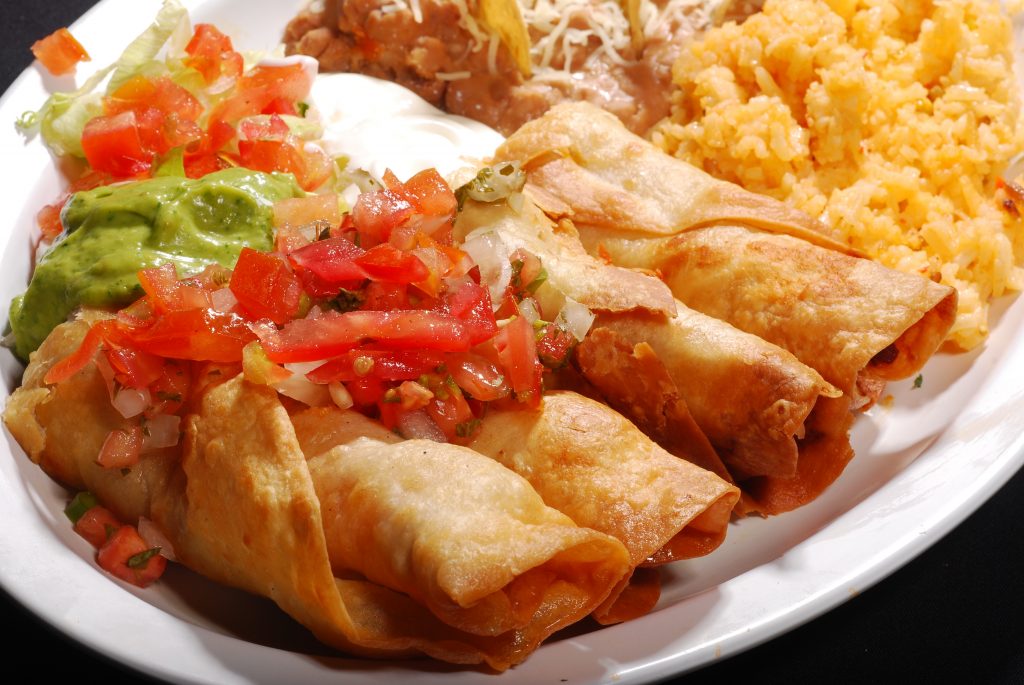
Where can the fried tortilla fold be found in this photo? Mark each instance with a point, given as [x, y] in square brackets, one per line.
[676, 373]
[240, 505]
[751, 260]
[592, 464]
[463, 535]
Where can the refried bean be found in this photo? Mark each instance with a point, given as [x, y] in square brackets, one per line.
[443, 61]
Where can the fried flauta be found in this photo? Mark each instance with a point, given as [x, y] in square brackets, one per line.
[241, 505]
[592, 464]
[669, 368]
[747, 259]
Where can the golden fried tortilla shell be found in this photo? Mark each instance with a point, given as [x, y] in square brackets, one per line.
[592, 464]
[748, 259]
[748, 396]
[460, 533]
[836, 313]
[608, 177]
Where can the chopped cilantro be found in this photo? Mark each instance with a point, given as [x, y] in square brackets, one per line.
[79, 504]
[142, 558]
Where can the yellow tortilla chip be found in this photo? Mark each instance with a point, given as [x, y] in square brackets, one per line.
[505, 19]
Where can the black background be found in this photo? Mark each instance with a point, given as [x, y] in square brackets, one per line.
[953, 613]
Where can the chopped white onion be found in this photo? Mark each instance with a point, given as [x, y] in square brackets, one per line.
[155, 537]
[163, 430]
[223, 300]
[576, 318]
[340, 395]
[300, 388]
[528, 308]
[418, 424]
[131, 402]
[491, 255]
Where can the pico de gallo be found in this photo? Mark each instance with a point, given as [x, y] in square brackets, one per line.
[374, 308]
[371, 307]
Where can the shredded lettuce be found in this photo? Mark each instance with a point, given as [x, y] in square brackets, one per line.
[62, 118]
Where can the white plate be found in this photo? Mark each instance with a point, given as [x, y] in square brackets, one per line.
[922, 466]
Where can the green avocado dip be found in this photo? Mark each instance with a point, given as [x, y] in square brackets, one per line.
[113, 232]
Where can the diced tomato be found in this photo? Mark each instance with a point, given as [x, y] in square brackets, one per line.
[164, 289]
[471, 304]
[326, 266]
[366, 392]
[449, 409]
[387, 365]
[384, 296]
[167, 293]
[317, 169]
[48, 219]
[135, 369]
[376, 214]
[141, 92]
[389, 414]
[59, 52]
[77, 360]
[554, 344]
[126, 555]
[518, 354]
[112, 144]
[197, 334]
[431, 194]
[384, 262]
[290, 238]
[171, 389]
[272, 128]
[205, 156]
[270, 155]
[281, 106]
[199, 165]
[265, 286]
[311, 167]
[334, 334]
[212, 55]
[96, 525]
[260, 86]
[121, 448]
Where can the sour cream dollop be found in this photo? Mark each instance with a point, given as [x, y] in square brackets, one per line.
[380, 125]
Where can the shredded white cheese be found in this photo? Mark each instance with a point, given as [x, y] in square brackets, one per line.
[562, 30]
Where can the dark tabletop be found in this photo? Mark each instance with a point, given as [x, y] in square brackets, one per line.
[954, 612]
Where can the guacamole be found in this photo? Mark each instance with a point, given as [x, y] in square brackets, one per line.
[113, 232]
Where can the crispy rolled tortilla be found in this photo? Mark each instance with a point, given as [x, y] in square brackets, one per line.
[744, 258]
[463, 535]
[670, 372]
[592, 464]
[781, 430]
[749, 397]
[239, 504]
